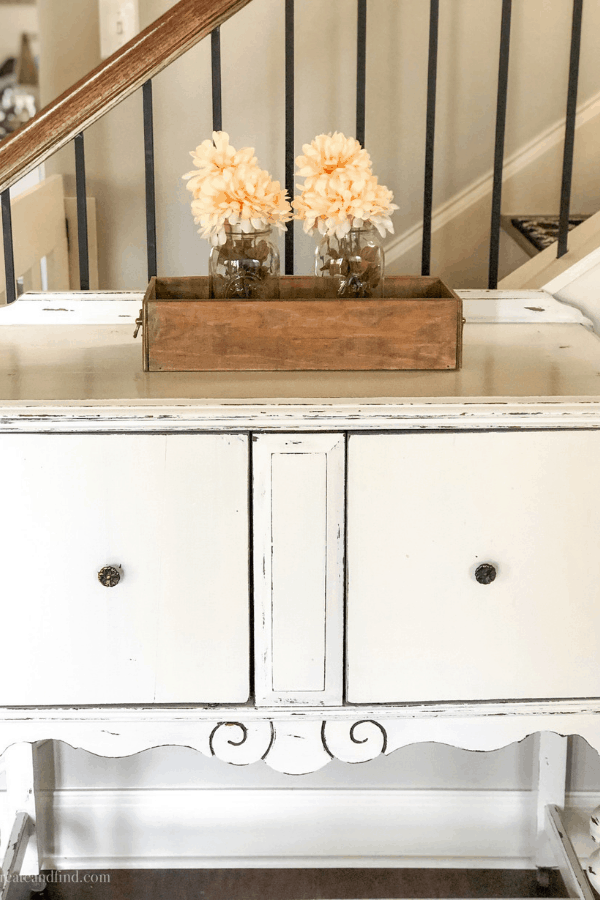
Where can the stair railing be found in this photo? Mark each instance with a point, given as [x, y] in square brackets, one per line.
[178, 30]
[66, 118]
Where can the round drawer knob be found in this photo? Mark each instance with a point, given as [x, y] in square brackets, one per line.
[109, 576]
[485, 573]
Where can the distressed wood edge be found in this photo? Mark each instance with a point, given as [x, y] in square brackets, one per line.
[325, 301]
[312, 414]
[264, 447]
[573, 875]
[123, 715]
[11, 888]
[152, 50]
[302, 283]
[146, 300]
[298, 741]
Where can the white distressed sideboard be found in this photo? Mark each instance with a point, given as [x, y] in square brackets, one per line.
[304, 566]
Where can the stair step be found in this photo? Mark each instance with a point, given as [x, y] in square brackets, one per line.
[535, 233]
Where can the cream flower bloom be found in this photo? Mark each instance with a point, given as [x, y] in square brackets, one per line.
[231, 191]
[330, 154]
[340, 191]
[213, 157]
[335, 205]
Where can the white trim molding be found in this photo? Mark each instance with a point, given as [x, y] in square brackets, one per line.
[297, 827]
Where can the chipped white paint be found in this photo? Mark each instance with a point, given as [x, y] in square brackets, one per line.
[18, 762]
[424, 511]
[565, 857]
[298, 485]
[530, 393]
[310, 738]
[240, 743]
[550, 778]
[519, 307]
[112, 307]
[231, 416]
[73, 308]
[298, 747]
[172, 512]
[11, 887]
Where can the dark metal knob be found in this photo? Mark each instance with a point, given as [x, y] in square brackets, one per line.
[109, 576]
[485, 573]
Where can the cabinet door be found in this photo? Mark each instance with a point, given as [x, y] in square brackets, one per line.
[424, 512]
[171, 512]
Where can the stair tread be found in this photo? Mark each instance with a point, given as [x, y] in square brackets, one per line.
[535, 233]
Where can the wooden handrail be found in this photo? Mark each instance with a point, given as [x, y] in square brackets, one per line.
[109, 83]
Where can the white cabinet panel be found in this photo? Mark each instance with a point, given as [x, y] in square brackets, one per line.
[172, 513]
[298, 564]
[204, 615]
[424, 511]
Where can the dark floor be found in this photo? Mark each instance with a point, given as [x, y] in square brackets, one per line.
[296, 884]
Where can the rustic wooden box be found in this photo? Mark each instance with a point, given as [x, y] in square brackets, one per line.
[417, 325]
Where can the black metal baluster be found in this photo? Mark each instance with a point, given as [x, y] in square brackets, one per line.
[82, 231]
[289, 129]
[215, 56]
[499, 145]
[361, 70]
[567, 171]
[149, 178]
[9, 258]
[434, 11]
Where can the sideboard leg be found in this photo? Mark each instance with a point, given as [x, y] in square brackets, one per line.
[549, 782]
[575, 879]
[11, 888]
[19, 839]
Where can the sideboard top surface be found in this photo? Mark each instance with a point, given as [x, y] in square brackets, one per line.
[103, 362]
[524, 351]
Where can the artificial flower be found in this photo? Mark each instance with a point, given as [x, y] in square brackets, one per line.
[231, 191]
[330, 154]
[340, 191]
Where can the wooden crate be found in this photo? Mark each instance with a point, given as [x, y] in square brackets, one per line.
[417, 325]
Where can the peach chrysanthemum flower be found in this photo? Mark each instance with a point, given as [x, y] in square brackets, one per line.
[340, 191]
[212, 157]
[231, 191]
[330, 154]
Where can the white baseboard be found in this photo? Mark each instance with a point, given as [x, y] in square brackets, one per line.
[295, 827]
[285, 827]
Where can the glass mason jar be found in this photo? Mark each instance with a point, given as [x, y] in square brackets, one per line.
[245, 267]
[355, 262]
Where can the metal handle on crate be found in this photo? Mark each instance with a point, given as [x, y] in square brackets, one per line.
[139, 322]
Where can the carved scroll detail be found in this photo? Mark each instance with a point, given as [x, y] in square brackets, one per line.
[299, 746]
[240, 744]
[359, 742]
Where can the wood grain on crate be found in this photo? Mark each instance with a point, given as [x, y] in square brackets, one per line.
[417, 325]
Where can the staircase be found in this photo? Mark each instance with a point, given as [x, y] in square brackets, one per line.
[574, 278]
[441, 111]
